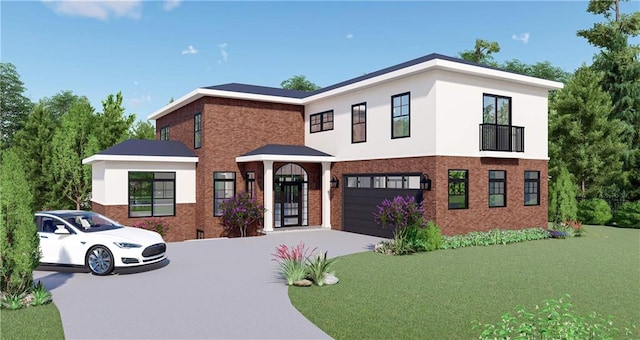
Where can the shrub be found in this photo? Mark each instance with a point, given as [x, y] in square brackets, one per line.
[495, 236]
[594, 211]
[292, 261]
[19, 251]
[628, 215]
[562, 198]
[406, 217]
[241, 211]
[318, 267]
[555, 319]
[153, 224]
[429, 238]
[35, 296]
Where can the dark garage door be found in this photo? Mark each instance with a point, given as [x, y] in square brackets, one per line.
[359, 204]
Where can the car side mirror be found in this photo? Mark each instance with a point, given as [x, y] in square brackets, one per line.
[61, 230]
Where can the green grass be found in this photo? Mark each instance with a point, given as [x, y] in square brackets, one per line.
[436, 295]
[41, 322]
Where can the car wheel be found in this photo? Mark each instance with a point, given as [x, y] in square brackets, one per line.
[100, 260]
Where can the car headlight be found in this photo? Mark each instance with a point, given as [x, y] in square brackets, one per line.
[127, 245]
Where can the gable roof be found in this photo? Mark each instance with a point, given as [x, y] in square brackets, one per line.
[430, 61]
[288, 150]
[145, 150]
[285, 153]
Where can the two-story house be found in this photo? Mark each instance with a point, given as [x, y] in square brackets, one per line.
[467, 140]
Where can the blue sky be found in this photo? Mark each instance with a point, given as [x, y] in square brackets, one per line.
[153, 51]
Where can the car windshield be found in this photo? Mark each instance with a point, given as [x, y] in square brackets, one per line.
[88, 221]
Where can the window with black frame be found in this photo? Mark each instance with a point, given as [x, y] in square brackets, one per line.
[400, 115]
[497, 188]
[322, 121]
[164, 133]
[250, 182]
[152, 194]
[458, 189]
[359, 123]
[197, 131]
[532, 188]
[224, 187]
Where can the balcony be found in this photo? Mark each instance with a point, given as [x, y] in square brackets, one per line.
[501, 138]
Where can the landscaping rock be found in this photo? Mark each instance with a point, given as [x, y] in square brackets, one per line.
[330, 279]
[303, 283]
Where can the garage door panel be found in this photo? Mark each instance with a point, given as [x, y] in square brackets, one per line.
[359, 204]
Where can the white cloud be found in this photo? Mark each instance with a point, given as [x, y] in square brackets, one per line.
[103, 10]
[190, 50]
[135, 82]
[139, 100]
[524, 37]
[170, 5]
[223, 52]
[350, 35]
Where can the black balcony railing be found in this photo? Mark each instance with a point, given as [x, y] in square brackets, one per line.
[501, 138]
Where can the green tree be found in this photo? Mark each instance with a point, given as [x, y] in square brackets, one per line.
[584, 139]
[33, 143]
[620, 63]
[19, 252]
[61, 103]
[14, 106]
[112, 126]
[544, 70]
[482, 52]
[563, 205]
[142, 130]
[300, 83]
[73, 142]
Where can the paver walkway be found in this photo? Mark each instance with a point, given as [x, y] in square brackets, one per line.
[209, 289]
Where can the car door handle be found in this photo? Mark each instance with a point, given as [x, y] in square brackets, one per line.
[42, 236]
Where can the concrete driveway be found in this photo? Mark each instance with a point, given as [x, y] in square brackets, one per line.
[215, 288]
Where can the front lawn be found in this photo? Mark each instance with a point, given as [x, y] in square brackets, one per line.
[436, 295]
[41, 322]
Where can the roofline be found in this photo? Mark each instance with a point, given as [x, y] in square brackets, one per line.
[436, 62]
[285, 158]
[139, 158]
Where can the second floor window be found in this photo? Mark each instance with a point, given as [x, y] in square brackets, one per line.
[496, 110]
[359, 123]
[164, 133]
[322, 121]
[197, 131]
[400, 115]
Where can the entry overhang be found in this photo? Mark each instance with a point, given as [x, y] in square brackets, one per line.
[285, 153]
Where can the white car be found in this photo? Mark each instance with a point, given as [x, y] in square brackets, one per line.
[85, 238]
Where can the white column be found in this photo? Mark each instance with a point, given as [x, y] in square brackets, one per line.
[326, 195]
[268, 195]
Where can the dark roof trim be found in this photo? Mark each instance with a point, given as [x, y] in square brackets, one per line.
[286, 150]
[146, 147]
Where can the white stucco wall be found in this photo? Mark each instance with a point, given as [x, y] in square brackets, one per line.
[116, 174]
[379, 144]
[446, 111]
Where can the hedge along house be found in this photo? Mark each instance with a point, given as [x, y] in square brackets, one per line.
[470, 141]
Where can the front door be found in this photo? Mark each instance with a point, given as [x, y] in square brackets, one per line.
[288, 199]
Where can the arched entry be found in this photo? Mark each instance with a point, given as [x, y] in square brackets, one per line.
[291, 189]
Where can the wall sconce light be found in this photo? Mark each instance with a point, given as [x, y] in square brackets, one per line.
[425, 183]
[335, 182]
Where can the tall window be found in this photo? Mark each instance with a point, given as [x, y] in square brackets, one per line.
[197, 131]
[458, 189]
[359, 123]
[497, 188]
[250, 182]
[164, 133]
[400, 112]
[152, 194]
[224, 187]
[496, 110]
[532, 188]
[322, 121]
